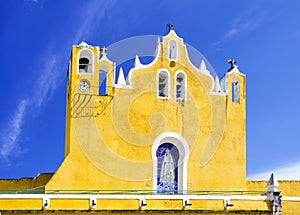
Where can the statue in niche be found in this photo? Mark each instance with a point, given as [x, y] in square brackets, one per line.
[167, 174]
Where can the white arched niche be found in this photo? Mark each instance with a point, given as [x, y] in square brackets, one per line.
[183, 148]
[85, 61]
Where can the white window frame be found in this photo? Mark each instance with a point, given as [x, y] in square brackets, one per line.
[235, 79]
[169, 48]
[104, 68]
[184, 152]
[88, 57]
[185, 85]
[168, 83]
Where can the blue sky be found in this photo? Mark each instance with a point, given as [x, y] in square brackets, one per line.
[37, 35]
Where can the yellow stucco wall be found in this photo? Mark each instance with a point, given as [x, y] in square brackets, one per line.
[25, 183]
[109, 139]
[121, 212]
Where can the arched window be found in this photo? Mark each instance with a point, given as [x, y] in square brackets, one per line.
[180, 85]
[85, 61]
[235, 88]
[103, 81]
[163, 85]
[172, 49]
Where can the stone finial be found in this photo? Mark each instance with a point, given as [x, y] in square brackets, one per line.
[137, 62]
[121, 79]
[272, 184]
[217, 85]
[202, 66]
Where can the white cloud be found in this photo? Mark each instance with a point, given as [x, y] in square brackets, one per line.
[245, 22]
[9, 140]
[47, 81]
[288, 172]
[96, 11]
[35, 1]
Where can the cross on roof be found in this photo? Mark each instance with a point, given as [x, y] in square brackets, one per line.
[103, 50]
[170, 26]
[232, 62]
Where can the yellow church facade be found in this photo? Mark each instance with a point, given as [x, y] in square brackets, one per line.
[168, 138]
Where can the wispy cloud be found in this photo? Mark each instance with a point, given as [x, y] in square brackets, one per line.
[97, 10]
[35, 1]
[46, 82]
[44, 87]
[287, 172]
[247, 21]
[12, 132]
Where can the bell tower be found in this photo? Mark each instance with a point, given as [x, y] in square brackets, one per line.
[90, 79]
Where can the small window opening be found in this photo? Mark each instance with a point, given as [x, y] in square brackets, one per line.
[85, 63]
[163, 82]
[180, 86]
[172, 50]
[235, 89]
[102, 82]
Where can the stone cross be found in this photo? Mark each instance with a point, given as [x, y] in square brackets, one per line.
[232, 62]
[170, 26]
[103, 50]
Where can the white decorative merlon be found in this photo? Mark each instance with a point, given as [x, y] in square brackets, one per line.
[272, 183]
[137, 62]
[84, 45]
[203, 68]
[202, 65]
[157, 49]
[224, 83]
[121, 83]
[217, 85]
[217, 89]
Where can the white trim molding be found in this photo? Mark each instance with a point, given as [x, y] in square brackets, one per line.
[46, 198]
[91, 58]
[170, 49]
[184, 151]
[168, 83]
[184, 83]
